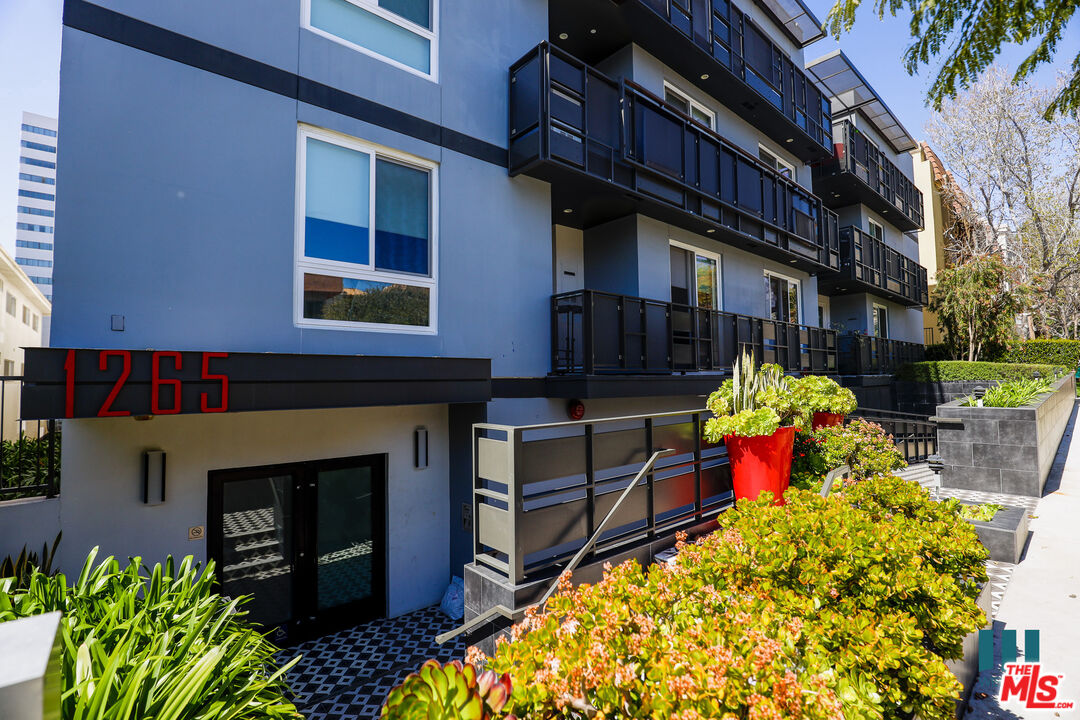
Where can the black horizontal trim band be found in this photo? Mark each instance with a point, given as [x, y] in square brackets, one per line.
[140, 35]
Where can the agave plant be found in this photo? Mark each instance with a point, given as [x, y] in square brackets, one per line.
[448, 692]
[755, 401]
[23, 566]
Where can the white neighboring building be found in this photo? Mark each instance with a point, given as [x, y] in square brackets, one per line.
[36, 200]
[24, 313]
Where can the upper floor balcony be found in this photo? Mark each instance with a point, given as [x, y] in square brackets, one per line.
[869, 265]
[716, 46]
[611, 148]
[861, 173]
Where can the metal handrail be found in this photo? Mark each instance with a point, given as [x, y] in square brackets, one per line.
[571, 566]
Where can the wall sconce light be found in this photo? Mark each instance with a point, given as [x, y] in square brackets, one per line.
[979, 392]
[575, 409]
[153, 486]
[420, 448]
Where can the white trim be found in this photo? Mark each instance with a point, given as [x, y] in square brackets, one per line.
[690, 102]
[302, 264]
[798, 290]
[870, 225]
[372, 6]
[878, 306]
[779, 161]
[705, 254]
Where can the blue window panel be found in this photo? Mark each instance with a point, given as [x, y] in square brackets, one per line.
[36, 162]
[402, 224]
[39, 130]
[417, 11]
[337, 203]
[33, 245]
[37, 178]
[38, 146]
[35, 211]
[368, 30]
[36, 195]
[33, 228]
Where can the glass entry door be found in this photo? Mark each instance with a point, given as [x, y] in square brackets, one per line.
[306, 541]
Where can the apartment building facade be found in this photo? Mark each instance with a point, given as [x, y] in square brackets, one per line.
[358, 227]
[36, 211]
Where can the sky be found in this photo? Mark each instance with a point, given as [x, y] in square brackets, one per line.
[30, 75]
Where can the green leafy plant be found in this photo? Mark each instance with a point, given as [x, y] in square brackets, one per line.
[26, 463]
[773, 615]
[448, 692]
[156, 643]
[817, 393]
[982, 513]
[23, 566]
[755, 401]
[1050, 351]
[959, 370]
[1012, 394]
[862, 445]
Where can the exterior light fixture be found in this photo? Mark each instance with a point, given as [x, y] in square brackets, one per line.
[568, 210]
[420, 448]
[790, 140]
[979, 392]
[575, 409]
[1037, 375]
[711, 230]
[592, 31]
[153, 485]
[563, 36]
[704, 76]
[792, 261]
[935, 463]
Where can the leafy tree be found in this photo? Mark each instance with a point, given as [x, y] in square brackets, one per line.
[974, 33]
[976, 304]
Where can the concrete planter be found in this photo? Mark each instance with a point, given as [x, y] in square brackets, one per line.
[1005, 535]
[1004, 450]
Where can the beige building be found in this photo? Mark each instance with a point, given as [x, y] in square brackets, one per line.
[22, 322]
[940, 217]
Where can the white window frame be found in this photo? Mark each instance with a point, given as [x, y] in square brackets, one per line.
[706, 254]
[885, 309]
[870, 225]
[781, 162]
[372, 6]
[690, 102]
[798, 292]
[303, 264]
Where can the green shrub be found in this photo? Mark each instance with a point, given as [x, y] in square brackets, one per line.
[982, 513]
[159, 644]
[937, 351]
[451, 692]
[25, 463]
[862, 445]
[1057, 351]
[953, 370]
[856, 600]
[817, 393]
[1012, 394]
[755, 401]
[23, 566]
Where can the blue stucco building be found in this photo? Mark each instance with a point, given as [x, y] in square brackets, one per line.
[386, 220]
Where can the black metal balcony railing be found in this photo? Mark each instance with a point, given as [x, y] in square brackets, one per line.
[743, 58]
[881, 185]
[564, 115]
[597, 332]
[914, 435]
[867, 263]
[869, 355]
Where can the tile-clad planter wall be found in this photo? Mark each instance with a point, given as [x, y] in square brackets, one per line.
[1008, 450]
[923, 398]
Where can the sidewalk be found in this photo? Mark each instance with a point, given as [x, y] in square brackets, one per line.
[1044, 593]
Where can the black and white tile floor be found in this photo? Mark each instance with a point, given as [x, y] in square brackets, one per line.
[346, 675]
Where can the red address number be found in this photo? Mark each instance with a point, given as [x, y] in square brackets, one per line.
[156, 382]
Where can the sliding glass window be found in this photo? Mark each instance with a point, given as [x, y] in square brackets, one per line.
[366, 236]
[400, 32]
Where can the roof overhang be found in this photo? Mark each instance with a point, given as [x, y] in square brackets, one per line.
[797, 20]
[851, 93]
[71, 383]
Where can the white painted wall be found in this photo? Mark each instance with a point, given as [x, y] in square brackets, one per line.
[102, 459]
[30, 523]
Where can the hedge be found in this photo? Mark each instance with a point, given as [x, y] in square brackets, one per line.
[959, 370]
[1065, 353]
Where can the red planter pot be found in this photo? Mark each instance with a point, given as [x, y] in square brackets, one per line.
[761, 463]
[822, 419]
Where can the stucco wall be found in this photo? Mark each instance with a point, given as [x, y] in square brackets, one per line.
[101, 502]
[31, 522]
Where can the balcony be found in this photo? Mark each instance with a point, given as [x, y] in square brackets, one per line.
[861, 172]
[610, 149]
[869, 355]
[869, 265]
[599, 333]
[714, 45]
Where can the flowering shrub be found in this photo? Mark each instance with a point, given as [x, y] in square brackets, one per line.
[846, 606]
[755, 401]
[817, 393]
[862, 445]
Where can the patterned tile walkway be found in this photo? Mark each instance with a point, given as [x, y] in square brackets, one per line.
[346, 675]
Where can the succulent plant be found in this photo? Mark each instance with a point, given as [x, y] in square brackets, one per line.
[446, 692]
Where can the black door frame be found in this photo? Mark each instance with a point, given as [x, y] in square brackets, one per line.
[306, 619]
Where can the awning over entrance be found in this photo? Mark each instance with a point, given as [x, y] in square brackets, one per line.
[82, 383]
